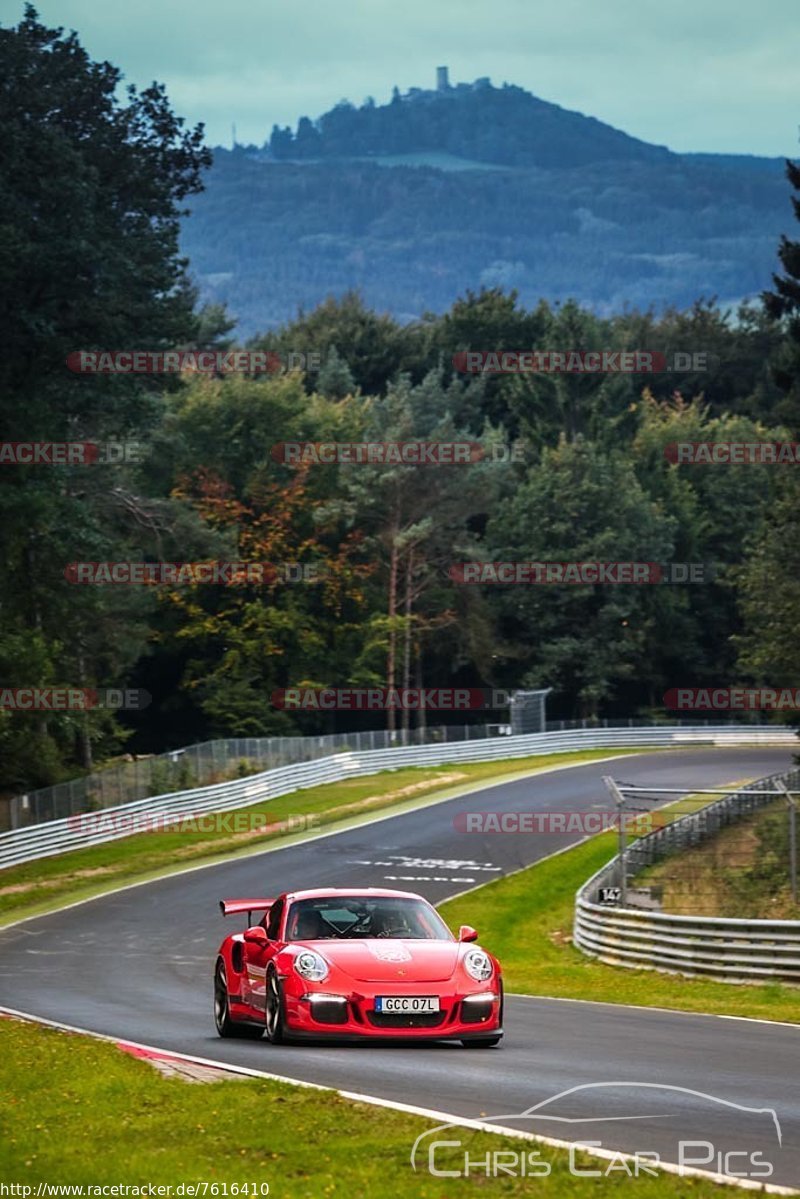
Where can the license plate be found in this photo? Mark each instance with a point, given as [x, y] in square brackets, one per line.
[407, 1004]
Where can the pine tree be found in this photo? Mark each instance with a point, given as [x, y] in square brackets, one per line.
[784, 302]
[335, 379]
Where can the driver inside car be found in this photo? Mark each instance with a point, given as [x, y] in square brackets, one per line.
[388, 922]
[309, 926]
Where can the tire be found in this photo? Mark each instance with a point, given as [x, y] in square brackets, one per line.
[486, 1043]
[226, 1026]
[274, 1014]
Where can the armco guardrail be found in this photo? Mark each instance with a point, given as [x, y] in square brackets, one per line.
[209, 762]
[206, 763]
[722, 948]
[76, 832]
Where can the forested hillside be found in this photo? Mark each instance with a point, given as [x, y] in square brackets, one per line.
[415, 201]
[505, 126]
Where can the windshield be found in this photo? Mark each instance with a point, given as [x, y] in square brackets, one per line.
[347, 916]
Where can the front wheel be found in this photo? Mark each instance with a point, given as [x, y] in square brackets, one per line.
[275, 1019]
[226, 1027]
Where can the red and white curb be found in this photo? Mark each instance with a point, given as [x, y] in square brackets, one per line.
[174, 1065]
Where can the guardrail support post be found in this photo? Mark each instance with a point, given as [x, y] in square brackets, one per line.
[619, 800]
[793, 846]
[792, 805]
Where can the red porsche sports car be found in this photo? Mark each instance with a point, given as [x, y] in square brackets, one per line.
[354, 963]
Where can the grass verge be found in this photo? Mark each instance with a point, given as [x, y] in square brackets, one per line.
[90, 1115]
[741, 872]
[526, 919]
[40, 886]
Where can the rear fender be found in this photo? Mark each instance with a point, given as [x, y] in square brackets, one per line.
[231, 953]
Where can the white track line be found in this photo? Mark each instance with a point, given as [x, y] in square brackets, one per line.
[642, 1007]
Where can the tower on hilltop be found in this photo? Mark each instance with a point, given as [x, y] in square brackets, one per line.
[442, 82]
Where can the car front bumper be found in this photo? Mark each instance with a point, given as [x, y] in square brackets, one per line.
[352, 1014]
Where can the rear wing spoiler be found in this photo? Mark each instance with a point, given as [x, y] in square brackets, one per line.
[232, 907]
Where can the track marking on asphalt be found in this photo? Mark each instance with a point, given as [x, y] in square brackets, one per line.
[411, 1109]
[401, 861]
[519, 870]
[428, 864]
[438, 863]
[424, 878]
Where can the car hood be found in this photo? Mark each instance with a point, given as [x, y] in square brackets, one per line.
[381, 960]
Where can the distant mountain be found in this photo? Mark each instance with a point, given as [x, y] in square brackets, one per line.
[417, 200]
[504, 126]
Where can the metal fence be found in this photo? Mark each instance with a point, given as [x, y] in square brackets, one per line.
[78, 831]
[210, 762]
[527, 711]
[216, 761]
[727, 949]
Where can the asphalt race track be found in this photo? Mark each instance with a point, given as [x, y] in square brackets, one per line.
[137, 965]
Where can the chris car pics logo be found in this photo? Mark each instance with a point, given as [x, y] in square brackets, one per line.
[745, 1143]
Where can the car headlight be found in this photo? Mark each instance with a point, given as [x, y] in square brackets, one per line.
[311, 966]
[478, 965]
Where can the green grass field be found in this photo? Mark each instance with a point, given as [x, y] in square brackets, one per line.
[79, 1111]
[742, 872]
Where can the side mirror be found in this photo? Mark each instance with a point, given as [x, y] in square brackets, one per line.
[467, 933]
[257, 935]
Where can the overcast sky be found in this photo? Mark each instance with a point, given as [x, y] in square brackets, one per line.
[718, 75]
